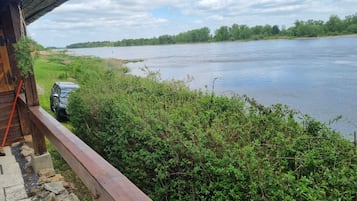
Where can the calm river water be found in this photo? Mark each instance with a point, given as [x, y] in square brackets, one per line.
[316, 76]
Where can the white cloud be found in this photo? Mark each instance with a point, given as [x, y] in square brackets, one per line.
[118, 19]
[216, 17]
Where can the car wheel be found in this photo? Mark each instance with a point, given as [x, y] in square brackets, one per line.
[52, 106]
[58, 115]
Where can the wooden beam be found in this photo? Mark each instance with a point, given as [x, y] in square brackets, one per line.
[24, 116]
[103, 180]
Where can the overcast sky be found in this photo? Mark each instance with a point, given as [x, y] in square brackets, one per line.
[99, 20]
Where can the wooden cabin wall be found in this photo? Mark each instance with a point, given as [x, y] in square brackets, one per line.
[7, 95]
[15, 134]
[9, 22]
[13, 28]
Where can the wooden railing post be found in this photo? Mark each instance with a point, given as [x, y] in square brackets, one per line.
[38, 141]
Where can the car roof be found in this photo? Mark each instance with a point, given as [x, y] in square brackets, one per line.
[67, 85]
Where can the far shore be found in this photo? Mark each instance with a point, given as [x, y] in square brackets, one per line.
[269, 38]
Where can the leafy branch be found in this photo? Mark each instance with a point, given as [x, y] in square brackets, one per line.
[23, 53]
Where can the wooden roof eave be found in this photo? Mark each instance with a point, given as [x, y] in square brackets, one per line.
[32, 10]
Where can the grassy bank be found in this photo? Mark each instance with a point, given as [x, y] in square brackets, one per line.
[57, 66]
[177, 144]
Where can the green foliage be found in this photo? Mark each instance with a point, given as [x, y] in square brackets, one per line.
[177, 144]
[309, 28]
[23, 49]
[52, 66]
[222, 34]
[192, 36]
[275, 30]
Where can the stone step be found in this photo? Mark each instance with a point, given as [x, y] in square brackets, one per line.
[11, 181]
[7, 151]
[11, 169]
[7, 159]
[15, 193]
[2, 194]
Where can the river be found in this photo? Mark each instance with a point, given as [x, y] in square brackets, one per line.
[315, 76]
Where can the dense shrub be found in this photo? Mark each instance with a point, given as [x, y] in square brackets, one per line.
[177, 144]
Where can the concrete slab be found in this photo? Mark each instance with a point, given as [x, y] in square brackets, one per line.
[11, 168]
[15, 193]
[7, 159]
[7, 151]
[2, 194]
[11, 180]
[43, 161]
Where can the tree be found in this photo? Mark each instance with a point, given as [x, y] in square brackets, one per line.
[222, 34]
[334, 24]
[351, 19]
[245, 32]
[267, 30]
[275, 30]
[166, 39]
[352, 28]
[203, 34]
[234, 32]
[309, 28]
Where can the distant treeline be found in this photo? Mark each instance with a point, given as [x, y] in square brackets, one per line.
[310, 28]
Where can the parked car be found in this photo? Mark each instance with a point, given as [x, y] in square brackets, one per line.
[59, 98]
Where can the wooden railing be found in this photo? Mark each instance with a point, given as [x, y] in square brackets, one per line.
[102, 179]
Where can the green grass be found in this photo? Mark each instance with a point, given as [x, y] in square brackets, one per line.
[47, 71]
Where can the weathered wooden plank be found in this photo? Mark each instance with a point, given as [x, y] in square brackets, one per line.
[102, 179]
[7, 97]
[13, 132]
[9, 21]
[4, 116]
[14, 135]
[6, 101]
[5, 109]
[24, 119]
[31, 91]
[4, 121]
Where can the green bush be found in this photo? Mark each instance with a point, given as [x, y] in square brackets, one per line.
[177, 144]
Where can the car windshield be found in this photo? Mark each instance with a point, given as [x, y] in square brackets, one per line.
[66, 91]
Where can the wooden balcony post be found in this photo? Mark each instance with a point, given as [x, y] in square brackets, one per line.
[38, 140]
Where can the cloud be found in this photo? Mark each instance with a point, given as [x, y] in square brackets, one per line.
[77, 20]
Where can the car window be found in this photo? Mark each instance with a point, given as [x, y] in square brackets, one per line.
[56, 90]
[53, 90]
[65, 92]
